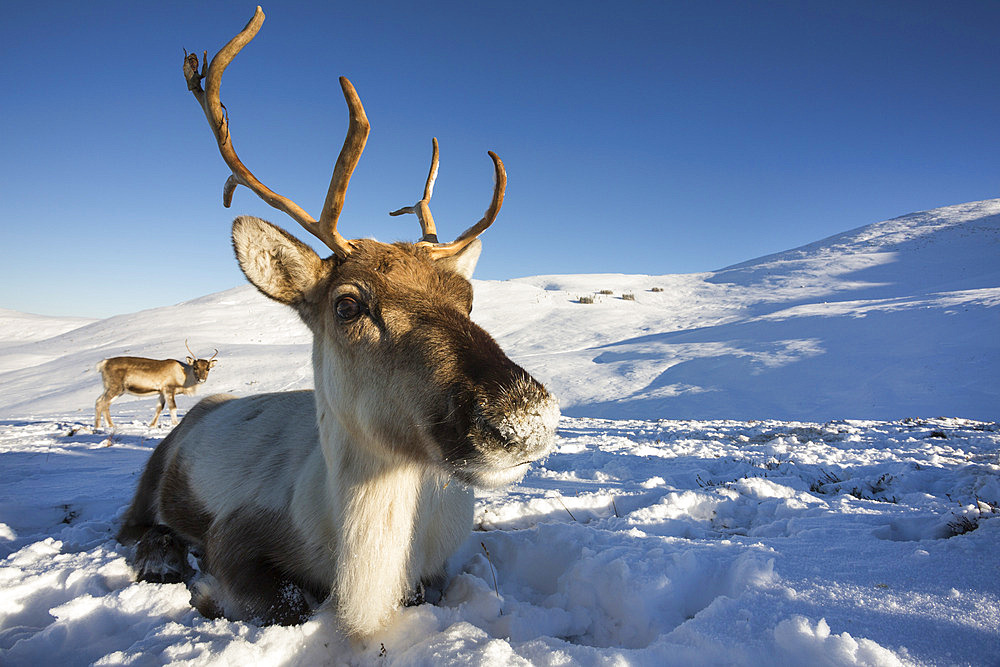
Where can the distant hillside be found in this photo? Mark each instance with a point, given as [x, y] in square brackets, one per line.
[20, 327]
[889, 320]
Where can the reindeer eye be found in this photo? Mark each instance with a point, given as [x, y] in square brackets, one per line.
[347, 308]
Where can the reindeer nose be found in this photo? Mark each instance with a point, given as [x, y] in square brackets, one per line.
[532, 428]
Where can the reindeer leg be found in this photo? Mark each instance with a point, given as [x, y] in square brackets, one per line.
[173, 408]
[159, 409]
[257, 591]
[102, 407]
[143, 513]
[240, 556]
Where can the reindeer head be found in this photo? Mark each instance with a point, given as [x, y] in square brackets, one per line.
[399, 365]
[200, 367]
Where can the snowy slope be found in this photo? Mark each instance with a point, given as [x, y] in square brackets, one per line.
[890, 320]
[847, 537]
[20, 328]
[262, 347]
[25, 327]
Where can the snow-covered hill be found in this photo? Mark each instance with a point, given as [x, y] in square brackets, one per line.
[683, 519]
[894, 319]
[890, 320]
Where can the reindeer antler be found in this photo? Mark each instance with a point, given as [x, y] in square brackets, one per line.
[423, 211]
[423, 207]
[195, 356]
[357, 134]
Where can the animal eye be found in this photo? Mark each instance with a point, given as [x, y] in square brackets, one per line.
[347, 308]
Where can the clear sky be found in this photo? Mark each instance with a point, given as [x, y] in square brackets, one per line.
[639, 137]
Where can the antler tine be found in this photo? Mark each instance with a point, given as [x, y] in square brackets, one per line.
[423, 207]
[214, 355]
[193, 355]
[354, 143]
[215, 112]
[473, 232]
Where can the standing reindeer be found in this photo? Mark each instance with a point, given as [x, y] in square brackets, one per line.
[143, 377]
[356, 492]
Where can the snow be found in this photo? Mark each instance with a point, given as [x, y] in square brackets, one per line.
[789, 461]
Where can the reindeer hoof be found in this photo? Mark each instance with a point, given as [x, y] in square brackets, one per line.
[161, 557]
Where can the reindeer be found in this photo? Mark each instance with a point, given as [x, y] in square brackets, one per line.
[143, 377]
[358, 491]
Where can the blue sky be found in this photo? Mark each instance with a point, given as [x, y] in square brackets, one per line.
[639, 137]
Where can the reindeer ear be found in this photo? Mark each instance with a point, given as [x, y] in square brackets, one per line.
[464, 261]
[274, 261]
[190, 361]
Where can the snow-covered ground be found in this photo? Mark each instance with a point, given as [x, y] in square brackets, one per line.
[794, 460]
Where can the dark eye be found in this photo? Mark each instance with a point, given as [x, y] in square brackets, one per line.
[347, 308]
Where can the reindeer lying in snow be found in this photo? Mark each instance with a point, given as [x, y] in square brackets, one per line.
[144, 377]
[356, 492]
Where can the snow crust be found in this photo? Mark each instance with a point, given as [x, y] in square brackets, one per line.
[753, 471]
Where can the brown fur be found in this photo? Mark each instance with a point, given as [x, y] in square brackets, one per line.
[180, 507]
[141, 514]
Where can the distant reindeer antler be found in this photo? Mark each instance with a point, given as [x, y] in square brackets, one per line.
[357, 134]
[195, 356]
[423, 211]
